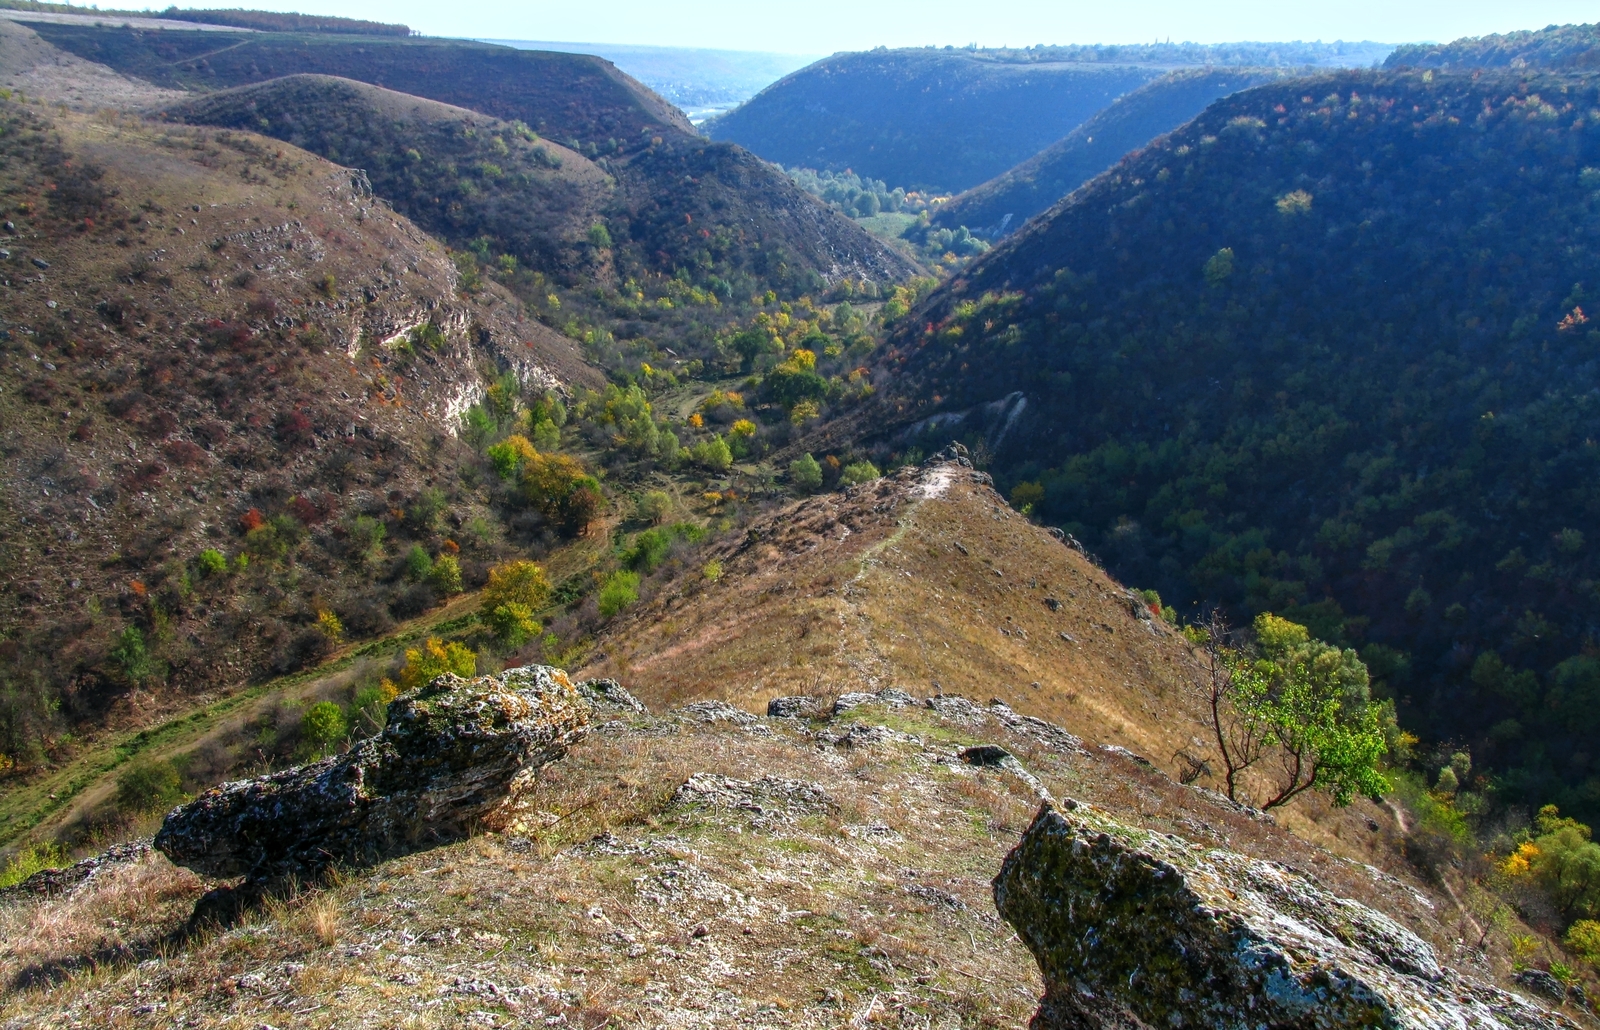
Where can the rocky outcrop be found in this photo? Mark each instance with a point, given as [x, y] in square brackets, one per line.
[455, 755]
[1133, 929]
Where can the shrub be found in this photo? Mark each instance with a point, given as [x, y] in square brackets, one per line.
[653, 506]
[434, 659]
[520, 582]
[212, 563]
[509, 455]
[330, 625]
[805, 474]
[1583, 940]
[713, 454]
[427, 511]
[561, 490]
[133, 657]
[859, 472]
[419, 565]
[149, 785]
[620, 590]
[372, 701]
[364, 537]
[599, 236]
[324, 726]
[445, 576]
[35, 858]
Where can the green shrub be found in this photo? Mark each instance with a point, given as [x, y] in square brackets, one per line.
[1583, 940]
[133, 657]
[446, 575]
[513, 623]
[34, 858]
[713, 454]
[620, 590]
[653, 506]
[427, 511]
[805, 474]
[419, 564]
[435, 658]
[599, 236]
[859, 472]
[324, 725]
[149, 785]
[212, 563]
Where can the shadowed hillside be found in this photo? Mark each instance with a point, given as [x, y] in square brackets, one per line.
[563, 96]
[459, 174]
[680, 202]
[1003, 203]
[1323, 351]
[939, 120]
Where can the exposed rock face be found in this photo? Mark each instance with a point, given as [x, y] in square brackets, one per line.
[1135, 929]
[455, 753]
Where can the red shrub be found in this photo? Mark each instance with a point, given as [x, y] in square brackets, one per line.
[250, 520]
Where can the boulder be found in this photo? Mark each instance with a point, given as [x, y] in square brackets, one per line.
[455, 755]
[1134, 929]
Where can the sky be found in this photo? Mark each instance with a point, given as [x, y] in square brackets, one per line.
[826, 26]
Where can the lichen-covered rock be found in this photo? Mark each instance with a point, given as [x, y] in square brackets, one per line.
[1135, 929]
[455, 754]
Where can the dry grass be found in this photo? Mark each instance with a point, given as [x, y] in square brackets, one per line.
[611, 906]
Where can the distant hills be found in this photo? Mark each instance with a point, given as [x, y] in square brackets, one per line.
[1324, 351]
[947, 120]
[1558, 46]
[1003, 203]
[702, 82]
[927, 120]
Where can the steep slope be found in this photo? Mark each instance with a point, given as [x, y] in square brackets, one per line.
[680, 203]
[35, 68]
[214, 341]
[919, 579]
[459, 174]
[939, 120]
[1323, 351]
[1574, 47]
[1003, 203]
[564, 96]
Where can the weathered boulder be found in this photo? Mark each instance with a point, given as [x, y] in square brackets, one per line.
[455, 754]
[1137, 929]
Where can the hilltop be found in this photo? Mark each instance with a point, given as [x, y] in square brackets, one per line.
[1573, 47]
[1131, 121]
[563, 96]
[1285, 358]
[940, 120]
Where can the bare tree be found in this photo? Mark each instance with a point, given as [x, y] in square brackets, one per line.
[1242, 738]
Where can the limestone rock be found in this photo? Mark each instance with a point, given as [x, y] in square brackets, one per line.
[794, 706]
[1134, 929]
[455, 754]
[609, 696]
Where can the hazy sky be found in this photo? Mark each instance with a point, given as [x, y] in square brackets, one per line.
[824, 26]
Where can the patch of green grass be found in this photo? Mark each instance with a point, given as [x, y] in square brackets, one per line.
[30, 860]
[887, 226]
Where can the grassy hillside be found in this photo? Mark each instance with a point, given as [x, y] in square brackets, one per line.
[563, 96]
[459, 174]
[1324, 350]
[1003, 203]
[217, 343]
[1557, 46]
[940, 120]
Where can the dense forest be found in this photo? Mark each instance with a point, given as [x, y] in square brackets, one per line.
[928, 120]
[1298, 54]
[1558, 46]
[1003, 203]
[1325, 351]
